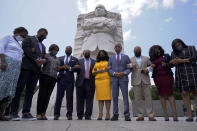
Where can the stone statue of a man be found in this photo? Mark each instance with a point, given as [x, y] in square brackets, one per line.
[98, 30]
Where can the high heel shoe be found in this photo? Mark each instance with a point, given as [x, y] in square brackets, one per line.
[167, 119]
[175, 118]
[100, 116]
[107, 117]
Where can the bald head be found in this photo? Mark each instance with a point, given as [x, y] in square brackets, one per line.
[137, 51]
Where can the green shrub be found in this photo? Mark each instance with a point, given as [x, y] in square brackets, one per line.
[155, 95]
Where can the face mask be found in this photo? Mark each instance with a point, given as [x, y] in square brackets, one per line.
[41, 38]
[158, 54]
[68, 53]
[53, 52]
[102, 58]
[138, 54]
[87, 55]
[19, 38]
[179, 48]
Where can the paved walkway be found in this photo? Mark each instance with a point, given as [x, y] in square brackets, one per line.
[95, 125]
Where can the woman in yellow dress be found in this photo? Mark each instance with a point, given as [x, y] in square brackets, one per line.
[102, 83]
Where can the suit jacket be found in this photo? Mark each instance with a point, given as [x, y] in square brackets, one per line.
[68, 75]
[31, 53]
[137, 76]
[81, 74]
[121, 67]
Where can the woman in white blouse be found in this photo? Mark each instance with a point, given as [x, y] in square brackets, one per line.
[11, 53]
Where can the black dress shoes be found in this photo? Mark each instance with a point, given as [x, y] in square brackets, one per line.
[69, 117]
[127, 118]
[56, 117]
[114, 118]
[80, 118]
[87, 117]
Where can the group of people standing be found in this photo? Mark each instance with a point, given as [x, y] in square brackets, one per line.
[24, 61]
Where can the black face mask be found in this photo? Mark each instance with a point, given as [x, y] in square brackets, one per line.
[102, 58]
[53, 52]
[68, 53]
[41, 38]
[87, 55]
[138, 54]
[158, 54]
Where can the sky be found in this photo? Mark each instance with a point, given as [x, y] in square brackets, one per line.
[145, 22]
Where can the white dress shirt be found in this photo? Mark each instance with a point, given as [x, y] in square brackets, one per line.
[69, 57]
[66, 58]
[139, 59]
[10, 47]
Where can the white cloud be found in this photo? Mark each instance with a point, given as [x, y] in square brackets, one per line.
[154, 4]
[127, 8]
[184, 1]
[167, 20]
[127, 35]
[168, 3]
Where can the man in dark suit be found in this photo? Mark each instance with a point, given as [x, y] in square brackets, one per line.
[34, 53]
[65, 82]
[85, 86]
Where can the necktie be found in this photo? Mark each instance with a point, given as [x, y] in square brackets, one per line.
[40, 46]
[118, 59]
[87, 70]
[66, 62]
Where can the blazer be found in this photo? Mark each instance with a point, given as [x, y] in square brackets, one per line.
[31, 53]
[121, 67]
[68, 75]
[166, 58]
[137, 76]
[81, 74]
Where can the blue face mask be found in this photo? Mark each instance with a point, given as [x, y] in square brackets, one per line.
[179, 48]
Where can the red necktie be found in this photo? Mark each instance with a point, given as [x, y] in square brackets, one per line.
[87, 69]
[118, 59]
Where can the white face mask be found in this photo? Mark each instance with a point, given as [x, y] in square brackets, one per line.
[19, 38]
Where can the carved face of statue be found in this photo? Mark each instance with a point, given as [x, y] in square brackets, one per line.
[100, 10]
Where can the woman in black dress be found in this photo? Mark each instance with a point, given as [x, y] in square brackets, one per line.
[184, 58]
[163, 78]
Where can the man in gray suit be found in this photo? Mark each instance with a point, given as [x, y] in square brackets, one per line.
[140, 81]
[119, 78]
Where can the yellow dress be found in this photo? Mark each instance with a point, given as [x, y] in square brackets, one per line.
[102, 82]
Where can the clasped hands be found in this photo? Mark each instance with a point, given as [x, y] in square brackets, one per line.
[67, 67]
[102, 71]
[119, 74]
[39, 62]
[177, 61]
[135, 66]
